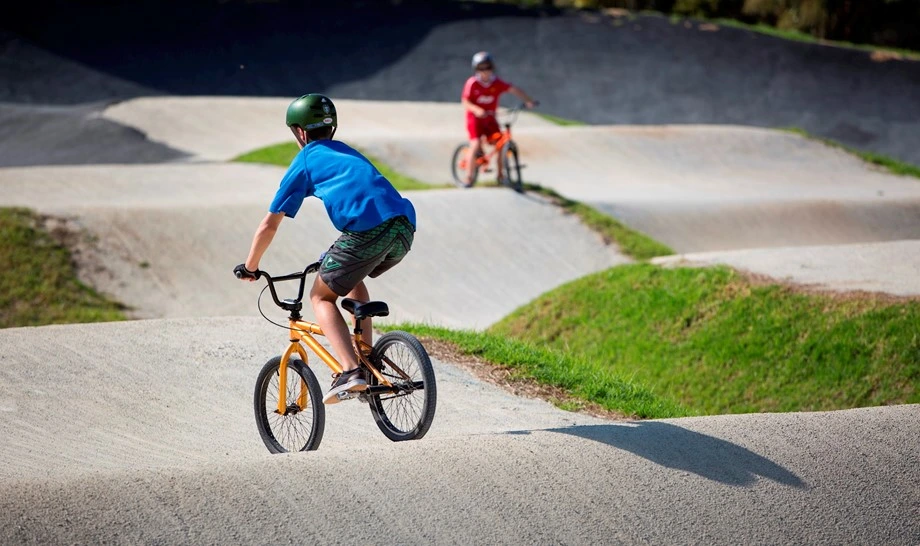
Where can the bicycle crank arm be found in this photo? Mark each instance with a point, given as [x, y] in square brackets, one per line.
[373, 390]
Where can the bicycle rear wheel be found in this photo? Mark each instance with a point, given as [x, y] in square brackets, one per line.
[407, 413]
[300, 427]
[460, 166]
[509, 155]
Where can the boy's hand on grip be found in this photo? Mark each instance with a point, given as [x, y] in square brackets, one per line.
[242, 273]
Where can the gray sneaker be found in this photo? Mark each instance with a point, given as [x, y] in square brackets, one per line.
[350, 381]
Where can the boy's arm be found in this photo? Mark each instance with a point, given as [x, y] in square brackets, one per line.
[469, 105]
[519, 93]
[263, 238]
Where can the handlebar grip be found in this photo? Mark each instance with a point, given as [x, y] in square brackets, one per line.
[313, 268]
[242, 273]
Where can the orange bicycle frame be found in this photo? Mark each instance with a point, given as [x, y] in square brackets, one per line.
[302, 331]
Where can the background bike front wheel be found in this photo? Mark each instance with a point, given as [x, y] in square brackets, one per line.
[300, 426]
[407, 413]
[512, 165]
[460, 166]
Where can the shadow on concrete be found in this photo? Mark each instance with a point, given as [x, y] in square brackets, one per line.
[682, 449]
[75, 135]
[279, 48]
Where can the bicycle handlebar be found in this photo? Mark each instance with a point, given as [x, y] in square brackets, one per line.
[288, 305]
[514, 109]
[512, 112]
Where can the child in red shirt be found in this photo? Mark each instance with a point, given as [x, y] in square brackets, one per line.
[480, 97]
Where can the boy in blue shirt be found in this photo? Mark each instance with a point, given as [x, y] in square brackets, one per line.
[377, 225]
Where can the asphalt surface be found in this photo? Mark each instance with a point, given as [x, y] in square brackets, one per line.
[142, 432]
[585, 66]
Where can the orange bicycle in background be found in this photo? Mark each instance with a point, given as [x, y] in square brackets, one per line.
[501, 147]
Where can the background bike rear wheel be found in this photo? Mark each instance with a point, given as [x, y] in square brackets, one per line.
[460, 166]
[512, 165]
[405, 415]
[301, 426]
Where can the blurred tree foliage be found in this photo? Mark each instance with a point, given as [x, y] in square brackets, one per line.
[892, 23]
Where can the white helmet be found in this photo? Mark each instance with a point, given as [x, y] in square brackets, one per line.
[482, 57]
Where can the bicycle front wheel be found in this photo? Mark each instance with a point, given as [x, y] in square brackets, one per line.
[300, 426]
[512, 164]
[460, 166]
[406, 412]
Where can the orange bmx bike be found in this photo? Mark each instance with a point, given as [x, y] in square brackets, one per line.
[401, 390]
[501, 148]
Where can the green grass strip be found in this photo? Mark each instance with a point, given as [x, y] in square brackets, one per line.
[891, 165]
[559, 121]
[583, 379]
[799, 36]
[38, 281]
[633, 243]
[283, 154]
[716, 343]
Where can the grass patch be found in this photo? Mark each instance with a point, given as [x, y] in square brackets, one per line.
[559, 121]
[717, 343]
[283, 154]
[633, 243]
[799, 36]
[278, 154]
[38, 282]
[582, 378]
[891, 165]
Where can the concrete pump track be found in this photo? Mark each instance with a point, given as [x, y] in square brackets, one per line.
[142, 431]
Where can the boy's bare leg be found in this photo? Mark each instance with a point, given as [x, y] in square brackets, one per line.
[475, 147]
[361, 294]
[330, 320]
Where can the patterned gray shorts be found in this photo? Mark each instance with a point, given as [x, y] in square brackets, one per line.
[358, 254]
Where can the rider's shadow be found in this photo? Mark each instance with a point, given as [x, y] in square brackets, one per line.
[676, 447]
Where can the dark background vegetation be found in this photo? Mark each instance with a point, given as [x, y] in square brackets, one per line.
[892, 23]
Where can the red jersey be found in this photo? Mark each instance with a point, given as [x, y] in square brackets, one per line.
[484, 95]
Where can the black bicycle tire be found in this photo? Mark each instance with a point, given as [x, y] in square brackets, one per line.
[509, 155]
[380, 405]
[460, 177]
[317, 409]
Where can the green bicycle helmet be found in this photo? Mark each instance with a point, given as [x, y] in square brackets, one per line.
[312, 112]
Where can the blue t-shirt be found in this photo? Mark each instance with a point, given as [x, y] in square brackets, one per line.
[356, 196]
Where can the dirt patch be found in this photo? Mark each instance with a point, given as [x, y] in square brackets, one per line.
[504, 378]
[616, 13]
[85, 254]
[883, 56]
[860, 296]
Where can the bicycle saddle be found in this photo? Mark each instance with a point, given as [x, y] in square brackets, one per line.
[363, 310]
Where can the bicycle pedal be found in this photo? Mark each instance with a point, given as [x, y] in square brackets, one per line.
[346, 395]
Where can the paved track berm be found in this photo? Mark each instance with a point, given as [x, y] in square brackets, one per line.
[142, 431]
